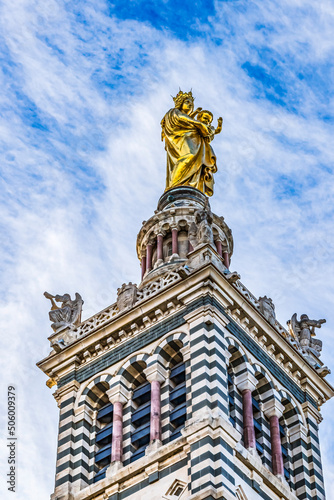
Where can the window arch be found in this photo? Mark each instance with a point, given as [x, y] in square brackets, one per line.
[103, 435]
[290, 421]
[95, 400]
[173, 392]
[261, 422]
[237, 358]
[137, 411]
[177, 397]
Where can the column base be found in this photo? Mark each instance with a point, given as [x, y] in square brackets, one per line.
[281, 478]
[153, 447]
[113, 468]
[253, 452]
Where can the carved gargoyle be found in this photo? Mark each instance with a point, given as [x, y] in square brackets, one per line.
[267, 308]
[232, 277]
[68, 315]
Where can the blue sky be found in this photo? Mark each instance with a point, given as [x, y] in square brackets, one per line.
[84, 87]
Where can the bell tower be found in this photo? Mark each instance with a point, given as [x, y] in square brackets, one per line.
[187, 387]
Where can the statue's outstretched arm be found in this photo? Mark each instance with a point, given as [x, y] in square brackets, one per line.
[51, 297]
[316, 323]
[220, 125]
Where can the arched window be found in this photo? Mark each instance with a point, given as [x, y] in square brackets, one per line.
[137, 409]
[140, 420]
[173, 390]
[234, 395]
[102, 428]
[285, 449]
[103, 439]
[257, 415]
[231, 396]
[177, 399]
[288, 424]
[261, 422]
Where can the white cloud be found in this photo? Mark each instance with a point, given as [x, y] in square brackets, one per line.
[75, 194]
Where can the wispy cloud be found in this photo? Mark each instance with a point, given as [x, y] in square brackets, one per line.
[84, 87]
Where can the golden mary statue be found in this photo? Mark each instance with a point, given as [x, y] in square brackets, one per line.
[188, 133]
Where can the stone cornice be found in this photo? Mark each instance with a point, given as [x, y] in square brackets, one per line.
[207, 280]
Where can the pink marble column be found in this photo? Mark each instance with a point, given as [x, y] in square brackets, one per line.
[218, 244]
[273, 410]
[117, 433]
[156, 374]
[149, 256]
[276, 446]
[160, 240]
[155, 431]
[248, 419]
[246, 383]
[226, 259]
[143, 266]
[175, 249]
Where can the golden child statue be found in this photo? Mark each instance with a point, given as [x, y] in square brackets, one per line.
[190, 158]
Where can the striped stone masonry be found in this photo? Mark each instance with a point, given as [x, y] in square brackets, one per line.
[221, 417]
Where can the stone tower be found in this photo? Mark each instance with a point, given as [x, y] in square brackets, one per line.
[187, 387]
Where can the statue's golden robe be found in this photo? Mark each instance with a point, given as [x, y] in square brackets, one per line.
[190, 158]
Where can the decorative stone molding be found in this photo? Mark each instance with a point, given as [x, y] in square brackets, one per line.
[273, 407]
[96, 321]
[246, 381]
[118, 393]
[175, 490]
[154, 287]
[156, 372]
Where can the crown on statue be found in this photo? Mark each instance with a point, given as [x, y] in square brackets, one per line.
[182, 96]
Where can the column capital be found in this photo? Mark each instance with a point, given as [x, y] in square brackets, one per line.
[246, 381]
[118, 393]
[156, 372]
[273, 407]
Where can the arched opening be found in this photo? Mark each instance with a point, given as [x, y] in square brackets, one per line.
[139, 419]
[103, 429]
[173, 393]
[261, 422]
[234, 395]
[288, 422]
[177, 396]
